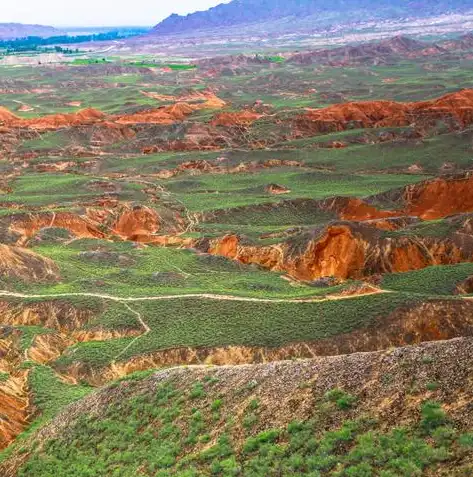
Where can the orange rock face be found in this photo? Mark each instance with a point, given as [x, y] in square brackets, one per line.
[345, 251]
[440, 198]
[430, 200]
[29, 225]
[25, 265]
[14, 406]
[164, 115]
[137, 222]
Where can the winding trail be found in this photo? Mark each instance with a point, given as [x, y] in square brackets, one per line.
[201, 296]
[145, 326]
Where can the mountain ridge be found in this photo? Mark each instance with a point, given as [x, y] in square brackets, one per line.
[11, 31]
[298, 12]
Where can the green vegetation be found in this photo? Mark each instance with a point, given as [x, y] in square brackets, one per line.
[188, 322]
[342, 399]
[164, 432]
[436, 280]
[51, 394]
[210, 192]
[89, 61]
[35, 43]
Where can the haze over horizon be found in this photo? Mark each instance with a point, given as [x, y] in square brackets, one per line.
[103, 13]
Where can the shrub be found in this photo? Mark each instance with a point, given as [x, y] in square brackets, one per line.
[342, 399]
[433, 416]
[253, 443]
[197, 391]
[250, 421]
[466, 440]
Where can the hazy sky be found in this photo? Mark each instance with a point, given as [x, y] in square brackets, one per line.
[97, 12]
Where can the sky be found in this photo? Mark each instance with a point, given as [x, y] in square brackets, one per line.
[97, 12]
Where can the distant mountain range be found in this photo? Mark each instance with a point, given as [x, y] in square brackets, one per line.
[303, 14]
[10, 31]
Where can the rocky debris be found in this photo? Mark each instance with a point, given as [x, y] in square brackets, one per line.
[324, 282]
[21, 264]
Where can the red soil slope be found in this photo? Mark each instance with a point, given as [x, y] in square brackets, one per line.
[456, 107]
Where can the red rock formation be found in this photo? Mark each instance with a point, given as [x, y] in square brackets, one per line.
[163, 115]
[346, 251]
[27, 226]
[137, 222]
[440, 197]
[277, 189]
[456, 107]
[241, 118]
[14, 406]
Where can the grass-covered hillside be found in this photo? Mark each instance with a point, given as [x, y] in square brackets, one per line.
[316, 418]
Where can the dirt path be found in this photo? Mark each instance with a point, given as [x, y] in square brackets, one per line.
[201, 296]
[145, 326]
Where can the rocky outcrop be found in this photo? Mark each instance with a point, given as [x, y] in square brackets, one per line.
[164, 115]
[21, 264]
[136, 223]
[14, 404]
[345, 250]
[26, 226]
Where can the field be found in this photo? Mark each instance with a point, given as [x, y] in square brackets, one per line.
[160, 212]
